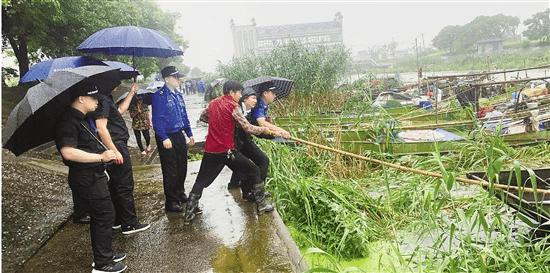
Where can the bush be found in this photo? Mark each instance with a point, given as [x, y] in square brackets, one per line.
[312, 69]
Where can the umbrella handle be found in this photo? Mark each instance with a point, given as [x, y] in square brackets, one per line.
[134, 65]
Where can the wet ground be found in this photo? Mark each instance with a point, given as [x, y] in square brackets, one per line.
[228, 237]
[35, 203]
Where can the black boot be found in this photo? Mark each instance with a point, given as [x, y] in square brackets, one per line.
[192, 208]
[183, 197]
[233, 184]
[262, 203]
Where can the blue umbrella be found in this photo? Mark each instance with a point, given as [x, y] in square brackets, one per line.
[130, 40]
[126, 71]
[44, 69]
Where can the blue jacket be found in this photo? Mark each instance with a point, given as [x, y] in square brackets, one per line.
[169, 113]
[259, 111]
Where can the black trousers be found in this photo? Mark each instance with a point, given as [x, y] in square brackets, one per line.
[121, 188]
[173, 163]
[146, 136]
[254, 153]
[92, 191]
[212, 164]
[78, 207]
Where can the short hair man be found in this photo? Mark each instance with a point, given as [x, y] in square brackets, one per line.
[77, 141]
[259, 113]
[169, 122]
[219, 149]
[245, 144]
[113, 132]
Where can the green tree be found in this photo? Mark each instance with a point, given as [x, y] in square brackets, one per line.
[445, 38]
[54, 28]
[24, 23]
[538, 26]
[195, 72]
[463, 38]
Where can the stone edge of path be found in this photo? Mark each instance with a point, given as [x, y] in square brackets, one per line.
[54, 168]
[298, 262]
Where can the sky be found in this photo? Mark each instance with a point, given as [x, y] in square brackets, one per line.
[206, 24]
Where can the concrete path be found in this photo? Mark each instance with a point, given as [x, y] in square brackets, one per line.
[228, 237]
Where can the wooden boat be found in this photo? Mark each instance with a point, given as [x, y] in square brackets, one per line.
[534, 209]
[426, 147]
[432, 117]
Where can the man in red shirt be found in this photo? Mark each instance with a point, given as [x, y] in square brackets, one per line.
[219, 149]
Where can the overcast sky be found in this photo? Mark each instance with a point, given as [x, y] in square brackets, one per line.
[205, 25]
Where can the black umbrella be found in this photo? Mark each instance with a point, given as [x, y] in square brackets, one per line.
[144, 93]
[32, 121]
[284, 86]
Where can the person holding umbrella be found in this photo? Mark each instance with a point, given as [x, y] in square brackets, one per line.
[219, 149]
[259, 116]
[259, 113]
[169, 122]
[77, 141]
[114, 133]
[245, 144]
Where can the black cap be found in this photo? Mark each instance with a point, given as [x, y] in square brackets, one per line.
[86, 89]
[170, 71]
[267, 86]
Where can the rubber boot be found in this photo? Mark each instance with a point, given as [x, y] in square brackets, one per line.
[192, 208]
[262, 203]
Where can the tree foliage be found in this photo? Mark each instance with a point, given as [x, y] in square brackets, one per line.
[463, 38]
[312, 69]
[538, 26]
[38, 29]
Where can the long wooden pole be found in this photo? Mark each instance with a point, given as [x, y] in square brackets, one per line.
[510, 81]
[479, 182]
[489, 73]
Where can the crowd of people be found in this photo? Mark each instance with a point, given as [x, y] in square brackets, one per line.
[93, 141]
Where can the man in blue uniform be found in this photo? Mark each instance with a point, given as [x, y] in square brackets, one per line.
[170, 122]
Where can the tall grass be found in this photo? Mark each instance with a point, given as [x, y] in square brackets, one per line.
[344, 207]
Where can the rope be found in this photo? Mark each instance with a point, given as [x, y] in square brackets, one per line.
[479, 182]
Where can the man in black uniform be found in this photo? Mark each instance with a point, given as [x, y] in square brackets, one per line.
[77, 141]
[114, 133]
[245, 144]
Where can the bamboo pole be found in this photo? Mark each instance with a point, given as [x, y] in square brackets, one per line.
[510, 81]
[489, 73]
[480, 182]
